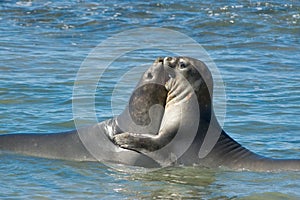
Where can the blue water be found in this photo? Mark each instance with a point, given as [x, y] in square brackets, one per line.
[255, 45]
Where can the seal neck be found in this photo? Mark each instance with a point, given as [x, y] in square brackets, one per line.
[178, 92]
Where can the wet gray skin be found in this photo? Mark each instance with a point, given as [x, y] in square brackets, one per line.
[190, 79]
[148, 134]
[94, 143]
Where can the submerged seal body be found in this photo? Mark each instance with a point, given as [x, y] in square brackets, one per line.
[187, 74]
[94, 143]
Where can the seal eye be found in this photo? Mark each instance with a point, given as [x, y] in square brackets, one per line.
[149, 76]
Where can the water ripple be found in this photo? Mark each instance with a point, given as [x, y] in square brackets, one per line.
[255, 45]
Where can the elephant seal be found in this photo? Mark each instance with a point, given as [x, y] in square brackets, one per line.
[188, 74]
[177, 130]
[94, 143]
[186, 80]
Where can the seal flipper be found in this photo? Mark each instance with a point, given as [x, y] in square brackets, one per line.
[137, 142]
[229, 153]
[75, 147]
[65, 145]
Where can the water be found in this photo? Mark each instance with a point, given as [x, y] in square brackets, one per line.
[255, 45]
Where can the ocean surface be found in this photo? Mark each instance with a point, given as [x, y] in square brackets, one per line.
[255, 45]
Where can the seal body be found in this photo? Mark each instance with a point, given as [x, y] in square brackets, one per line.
[197, 126]
[94, 143]
[145, 134]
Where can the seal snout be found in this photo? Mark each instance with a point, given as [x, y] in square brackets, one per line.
[160, 60]
[169, 62]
